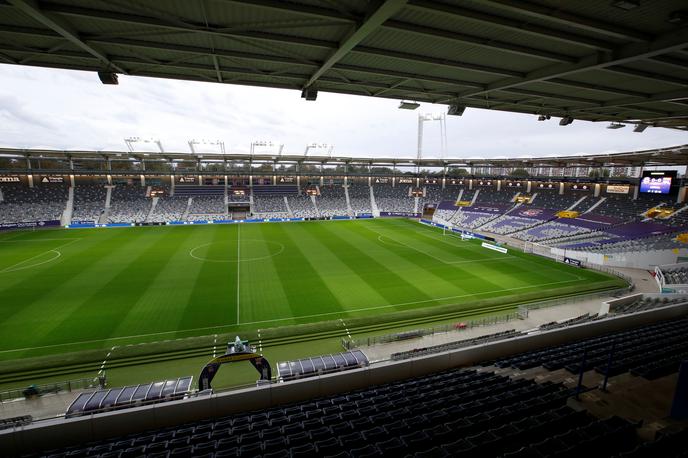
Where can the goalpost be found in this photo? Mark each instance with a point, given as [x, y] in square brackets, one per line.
[449, 230]
[536, 248]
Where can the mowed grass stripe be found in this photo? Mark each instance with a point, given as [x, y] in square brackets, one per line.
[170, 290]
[42, 295]
[262, 292]
[462, 278]
[327, 270]
[306, 291]
[130, 271]
[344, 280]
[370, 261]
[213, 287]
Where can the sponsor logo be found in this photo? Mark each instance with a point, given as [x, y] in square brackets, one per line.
[9, 180]
[573, 262]
[531, 212]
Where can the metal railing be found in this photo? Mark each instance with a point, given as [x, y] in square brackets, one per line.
[48, 388]
[440, 329]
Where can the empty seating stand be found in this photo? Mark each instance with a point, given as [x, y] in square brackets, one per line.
[651, 350]
[452, 413]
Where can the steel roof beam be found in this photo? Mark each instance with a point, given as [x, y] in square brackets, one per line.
[511, 24]
[542, 12]
[631, 52]
[229, 32]
[31, 9]
[370, 24]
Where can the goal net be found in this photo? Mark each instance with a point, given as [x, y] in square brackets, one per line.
[536, 248]
[458, 233]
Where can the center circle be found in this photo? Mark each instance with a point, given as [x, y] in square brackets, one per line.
[226, 251]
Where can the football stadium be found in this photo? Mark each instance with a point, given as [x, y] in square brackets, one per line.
[223, 302]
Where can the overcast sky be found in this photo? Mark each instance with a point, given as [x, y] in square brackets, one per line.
[46, 108]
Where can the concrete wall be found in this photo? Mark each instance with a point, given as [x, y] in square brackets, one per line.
[637, 260]
[59, 433]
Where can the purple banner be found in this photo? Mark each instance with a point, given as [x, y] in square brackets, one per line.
[406, 214]
[23, 225]
[534, 213]
[486, 208]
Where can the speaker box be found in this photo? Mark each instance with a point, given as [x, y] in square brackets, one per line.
[456, 110]
[108, 77]
[309, 93]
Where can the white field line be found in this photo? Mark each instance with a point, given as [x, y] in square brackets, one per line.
[102, 366]
[238, 268]
[55, 250]
[345, 328]
[379, 307]
[443, 261]
[434, 235]
[37, 240]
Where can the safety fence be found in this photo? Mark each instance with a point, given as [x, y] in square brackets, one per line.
[50, 388]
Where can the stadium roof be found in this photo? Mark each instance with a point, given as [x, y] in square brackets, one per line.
[611, 60]
[671, 156]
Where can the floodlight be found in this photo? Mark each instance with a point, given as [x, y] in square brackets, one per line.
[108, 77]
[640, 128]
[408, 105]
[543, 117]
[626, 5]
[455, 109]
[309, 93]
[565, 121]
[616, 125]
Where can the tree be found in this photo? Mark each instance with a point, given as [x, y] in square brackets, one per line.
[457, 172]
[519, 173]
[599, 173]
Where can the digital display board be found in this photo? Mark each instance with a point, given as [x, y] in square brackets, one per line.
[657, 182]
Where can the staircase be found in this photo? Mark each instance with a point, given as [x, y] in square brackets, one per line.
[575, 204]
[532, 198]
[103, 219]
[599, 202]
[286, 204]
[185, 216]
[154, 204]
[475, 197]
[315, 205]
[69, 209]
[373, 205]
[415, 204]
[349, 210]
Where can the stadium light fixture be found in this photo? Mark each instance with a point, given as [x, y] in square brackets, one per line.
[218, 143]
[616, 125]
[130, 141]
[565, 121]
[455, 109]
[311, 146]
[408, 105]
[543, 117]
[640, 128]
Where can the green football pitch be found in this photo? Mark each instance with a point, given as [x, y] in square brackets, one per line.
[66, 290]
